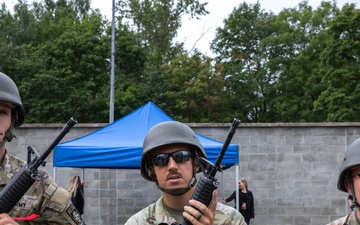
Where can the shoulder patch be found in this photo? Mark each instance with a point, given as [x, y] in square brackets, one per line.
[74, 215]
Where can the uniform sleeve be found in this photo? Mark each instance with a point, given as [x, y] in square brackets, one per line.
[231, 197]
[131, 221]
[78, 200]
[252, 213]
[240, 220]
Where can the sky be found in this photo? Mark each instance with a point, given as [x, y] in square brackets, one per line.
[201, 32]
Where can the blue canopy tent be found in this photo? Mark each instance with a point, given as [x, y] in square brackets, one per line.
[119, 144]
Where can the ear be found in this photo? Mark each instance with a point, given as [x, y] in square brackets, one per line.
[197, 164]
[196, 161]
[151, 172]
[348, 187]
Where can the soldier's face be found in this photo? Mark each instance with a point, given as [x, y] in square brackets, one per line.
[176, 173]
[5, 118]
[355, 174]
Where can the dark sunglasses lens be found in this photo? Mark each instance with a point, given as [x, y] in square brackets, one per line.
[161, 160]
[181, 156]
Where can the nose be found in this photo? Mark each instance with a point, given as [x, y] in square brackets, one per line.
[172, 164]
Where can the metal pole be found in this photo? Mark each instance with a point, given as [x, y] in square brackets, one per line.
[111, 116]
[54, 172]
[237, 189]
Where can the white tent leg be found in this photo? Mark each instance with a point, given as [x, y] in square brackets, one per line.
[237, 187]
[99, 198]
[54, 172]
[117, 197]
[222, 186]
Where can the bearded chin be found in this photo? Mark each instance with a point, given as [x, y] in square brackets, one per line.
[179, 191]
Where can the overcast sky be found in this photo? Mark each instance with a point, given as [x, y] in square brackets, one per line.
[192, 30]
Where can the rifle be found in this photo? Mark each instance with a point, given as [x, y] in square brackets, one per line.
[208, 183]
[26, 176]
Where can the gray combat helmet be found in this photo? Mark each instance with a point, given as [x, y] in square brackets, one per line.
[351, 159]
[10, 93]
[165, 133]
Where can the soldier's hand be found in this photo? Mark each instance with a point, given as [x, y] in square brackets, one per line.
[5, 219]
[200, 213]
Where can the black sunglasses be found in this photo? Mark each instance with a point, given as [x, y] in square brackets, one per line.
[178, 156]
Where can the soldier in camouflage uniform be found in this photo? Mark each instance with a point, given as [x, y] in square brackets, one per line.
[170, 158]
[45, 202]
[349, 181]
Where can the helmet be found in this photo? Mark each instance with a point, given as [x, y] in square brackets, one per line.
[165, 133]
[351, 159]
[10, 93]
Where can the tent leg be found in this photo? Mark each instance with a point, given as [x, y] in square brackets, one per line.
[237, 187]
[99, 203]
[222, 186]
[54, 172]
[117, 197]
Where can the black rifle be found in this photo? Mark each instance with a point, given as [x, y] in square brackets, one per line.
[208, 183]
[26, 176]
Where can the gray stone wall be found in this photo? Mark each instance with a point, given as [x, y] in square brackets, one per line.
[291, 169]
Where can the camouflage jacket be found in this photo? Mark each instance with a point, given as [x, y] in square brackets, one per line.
[45, 197]
[350, 219]
[156, 213]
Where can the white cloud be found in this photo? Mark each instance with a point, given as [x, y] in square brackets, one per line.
[204, 29]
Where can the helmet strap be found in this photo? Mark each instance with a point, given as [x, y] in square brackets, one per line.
[9, 135]
[351, 183]
[178, 191]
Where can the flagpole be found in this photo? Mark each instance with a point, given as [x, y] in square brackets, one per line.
[112, 77]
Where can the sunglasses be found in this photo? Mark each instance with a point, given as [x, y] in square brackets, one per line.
[178, 156]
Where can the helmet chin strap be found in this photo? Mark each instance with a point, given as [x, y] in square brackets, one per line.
[9, 135]
[180, 191]
[355, 201]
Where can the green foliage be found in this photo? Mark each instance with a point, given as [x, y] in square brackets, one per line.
[72, 81]
[240, 49]
[301, 38]
[61, 72]
[301, 65]
[156, 23]
[130, 61]
[194, 88]
[340, 62]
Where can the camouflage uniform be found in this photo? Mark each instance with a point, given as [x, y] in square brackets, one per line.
[156, 213]
[350, 219]
[44, 197]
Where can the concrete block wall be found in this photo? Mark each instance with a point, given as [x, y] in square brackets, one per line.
[291, 169]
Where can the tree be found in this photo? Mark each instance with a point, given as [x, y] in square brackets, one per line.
[130, 59]
[72, 80]
[15, 30]
[295, 50]
[194, 88]
[156, 23]
[340, 62]
[239, 47]
[61, 71]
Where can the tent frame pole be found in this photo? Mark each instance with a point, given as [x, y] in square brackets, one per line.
[237, 187]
